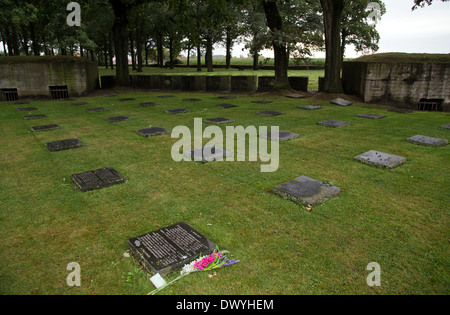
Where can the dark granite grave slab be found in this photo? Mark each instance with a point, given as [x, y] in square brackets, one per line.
[295, 96]
[371, 116]
[169, 249]
[280, 136]
[227, 97]
[153, 131]
[166, 96]
[26, 109]
[334, 123]
[80, 104]
[96, 110]
[428, 141]
[341, 102]
[118, 119]
[126, 99]
[446, 126]
[32, 117]
[307, 191]
[400, 110]
[177, 111]
[148, 104]
[310, 107]
[192, 100]
[381, 159]
[226, 106]
[61, 145]
[262, 102]
[21, 103]
[270, 113]
[206, 154]
[45, 128]
[218, 121]
[97, 179]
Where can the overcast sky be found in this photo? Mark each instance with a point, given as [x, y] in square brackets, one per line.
[425, 30]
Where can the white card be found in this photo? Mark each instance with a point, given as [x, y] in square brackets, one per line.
[158, 281]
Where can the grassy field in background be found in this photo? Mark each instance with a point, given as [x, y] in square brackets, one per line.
[397, 218]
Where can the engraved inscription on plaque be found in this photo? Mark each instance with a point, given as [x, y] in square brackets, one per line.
[170, 248]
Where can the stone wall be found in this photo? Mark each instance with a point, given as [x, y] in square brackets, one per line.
[32, 76]
[400, 82]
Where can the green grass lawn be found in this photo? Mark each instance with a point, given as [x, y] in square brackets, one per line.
[312, 74]
[397, 218]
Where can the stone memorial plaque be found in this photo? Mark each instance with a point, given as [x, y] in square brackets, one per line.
[96, 110]
[118, 119]
[310, 107]
[227, 97]
[218, 121]
[127, 99]
[192, 100]
[270, 113]
[226, 106]
[97, 179]
[26, 109]
[400, 110]
[21, 103]
[147, 104]
[45, 128]
[32, 117]
[334, 123]
[295, 96]
[262, 102]
[177, 111]
[371, 116]
[341, 102]
[80, 104]
[206, 154]
[428, 141]
[381, 159]
[446, 126]
[153, 131]
[61, 145]
[307, 191]
[280, 136]
[166, 96]
[169, 249]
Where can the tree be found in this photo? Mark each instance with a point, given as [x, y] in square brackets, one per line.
[422, 3]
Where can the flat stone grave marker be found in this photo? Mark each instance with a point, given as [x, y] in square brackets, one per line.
[334, 123]
[69, 99]
[110, 95]
[96, 110]
[169, 249]
[148, 104]
[166, 96]
[270, 113]
[295, 96]
[177, 111]
[262, 102]
[192, 100]
[153, 131]
[206, 154]
[80, 104]
[97, 179]
[32, 117]
[226, 106]
[118, 119]
[400, 110]
[280, 136]
[446, 126]
[126, 99]
[310, 107]
[381, 159]
[26, 109]
[371, 116]
[341, 102]
[428, 141]
[218, 121]
[61, 145]
[227, 97]
[45, 128]
[21, 103]
[307, 191]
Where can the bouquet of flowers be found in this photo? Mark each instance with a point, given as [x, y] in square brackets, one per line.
[218, 259]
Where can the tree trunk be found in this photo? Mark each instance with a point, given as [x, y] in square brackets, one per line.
[121, 42]
[332, 10]
[229, 43]
[199, 57]
[255, 60]
[209, 54]
[139, 50]
[111, 53]
[133, 56]
[160, 51]
[275, 24]
[171, 52]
